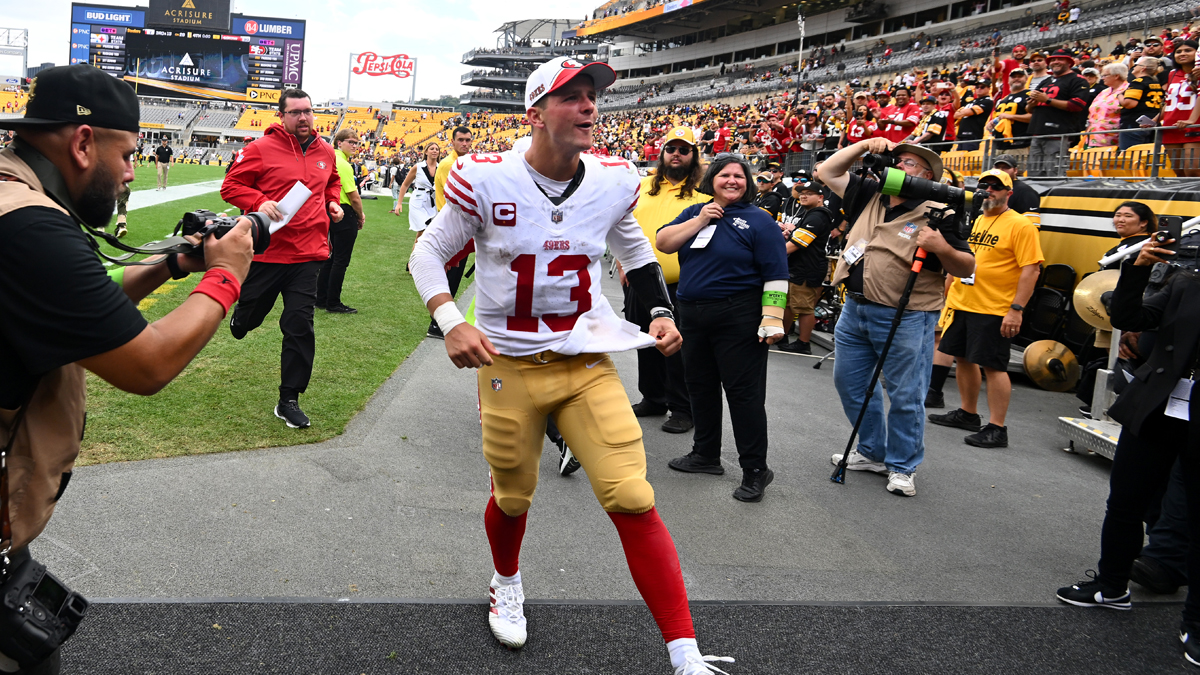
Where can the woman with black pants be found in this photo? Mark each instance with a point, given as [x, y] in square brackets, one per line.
[732, 290]
[1160, 417]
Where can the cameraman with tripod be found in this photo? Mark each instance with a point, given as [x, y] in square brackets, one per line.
[885, 234]
[61, 312]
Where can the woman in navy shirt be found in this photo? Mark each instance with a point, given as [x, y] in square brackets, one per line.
[732, 267]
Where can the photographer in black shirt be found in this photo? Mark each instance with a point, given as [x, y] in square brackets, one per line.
[60, 311]
[1159, 411]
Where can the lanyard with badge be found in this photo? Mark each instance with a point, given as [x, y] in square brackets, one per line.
[1180, 399]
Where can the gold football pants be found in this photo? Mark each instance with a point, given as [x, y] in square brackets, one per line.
[592, 411]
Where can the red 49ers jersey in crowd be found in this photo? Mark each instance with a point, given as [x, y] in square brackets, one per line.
[538, 264]
[894, 132]
[1181, 100]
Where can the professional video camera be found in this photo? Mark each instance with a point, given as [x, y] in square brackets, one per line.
[37, 614]
[198, 223]
[953, 217]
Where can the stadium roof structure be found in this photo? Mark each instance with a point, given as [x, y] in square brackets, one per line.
[683, 16]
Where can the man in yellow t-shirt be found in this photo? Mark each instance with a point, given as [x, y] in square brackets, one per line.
[663, 195]
[460, 146]
[988, 309]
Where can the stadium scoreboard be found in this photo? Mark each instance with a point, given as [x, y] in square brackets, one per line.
[191, 51]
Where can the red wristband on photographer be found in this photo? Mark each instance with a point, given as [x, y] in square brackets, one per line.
[220, 286]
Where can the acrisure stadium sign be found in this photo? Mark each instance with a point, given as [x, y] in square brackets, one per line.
[212, 14]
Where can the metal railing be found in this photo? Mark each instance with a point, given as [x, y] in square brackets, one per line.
[1069, 156]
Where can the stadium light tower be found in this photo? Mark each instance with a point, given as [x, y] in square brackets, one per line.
[15, 42]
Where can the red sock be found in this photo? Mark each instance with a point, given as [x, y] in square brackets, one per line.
[654, 564]
[504, 533]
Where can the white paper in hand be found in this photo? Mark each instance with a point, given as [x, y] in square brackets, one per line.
[290, 204]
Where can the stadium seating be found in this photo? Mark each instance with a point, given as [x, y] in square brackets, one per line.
[217, 119]
[12, 101]
[167, 115]
[256, 118]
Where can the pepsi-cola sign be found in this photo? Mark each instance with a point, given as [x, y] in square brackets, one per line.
[370, 63]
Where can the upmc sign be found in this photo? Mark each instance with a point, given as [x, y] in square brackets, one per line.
[370, 63]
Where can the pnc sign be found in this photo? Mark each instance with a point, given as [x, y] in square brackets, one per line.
[370, 63]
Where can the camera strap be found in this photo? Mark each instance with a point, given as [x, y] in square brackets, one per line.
[54, 187]
[6, 536]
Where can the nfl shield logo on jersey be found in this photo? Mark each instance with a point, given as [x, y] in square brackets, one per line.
[497, 384]
[556, 216]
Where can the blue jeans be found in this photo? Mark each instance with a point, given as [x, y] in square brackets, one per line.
[859, 337]
[1133, 135]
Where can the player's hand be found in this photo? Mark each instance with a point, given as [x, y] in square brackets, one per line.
[335, 212]
[362, 219]
[1011, 324]
[666, 336]
[232, 253]
[468, 347]
[770, 334]
[272, 211]
[932, 240]
[710, 212]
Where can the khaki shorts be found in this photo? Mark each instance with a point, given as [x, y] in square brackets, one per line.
[802, 298]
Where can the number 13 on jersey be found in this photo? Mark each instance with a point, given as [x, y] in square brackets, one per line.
[525, 267]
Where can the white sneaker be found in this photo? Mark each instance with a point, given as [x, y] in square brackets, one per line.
[507, 614]
[702, 665]
[901, 484]
[859, 463]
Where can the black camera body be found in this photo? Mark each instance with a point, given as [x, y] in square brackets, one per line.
[37, 613]
[197, 223]
[952, 218]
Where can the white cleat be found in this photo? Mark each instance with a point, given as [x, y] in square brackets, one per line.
[507, 614]
[901, 484]
[702, 665]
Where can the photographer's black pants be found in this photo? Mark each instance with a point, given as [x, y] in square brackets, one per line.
[1140, 471]
[660, 378]
[333, 271]
[297, 283]
[721, 350]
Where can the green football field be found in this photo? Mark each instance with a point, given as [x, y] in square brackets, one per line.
[180, 174]
[224, 399]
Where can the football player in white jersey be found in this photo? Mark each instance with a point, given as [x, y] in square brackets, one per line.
[541, 221]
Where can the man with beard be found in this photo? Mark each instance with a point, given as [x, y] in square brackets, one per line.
[1010, 120]
[663, 195]
[61, 311]
[1057, 107]
[988, 307]
[900, 119]
[288, 152]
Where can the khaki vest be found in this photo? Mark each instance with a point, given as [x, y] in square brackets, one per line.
[888, 258]
[43, 455]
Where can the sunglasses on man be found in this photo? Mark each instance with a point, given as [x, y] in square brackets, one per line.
[684, 150]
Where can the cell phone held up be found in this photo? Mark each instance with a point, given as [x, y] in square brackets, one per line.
[1170, 229]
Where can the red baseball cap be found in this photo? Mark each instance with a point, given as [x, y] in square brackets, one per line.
[557, 72]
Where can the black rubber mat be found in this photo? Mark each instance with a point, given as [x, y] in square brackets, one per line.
[306, 637]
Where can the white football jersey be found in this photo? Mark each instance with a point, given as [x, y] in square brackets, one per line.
[537, 264]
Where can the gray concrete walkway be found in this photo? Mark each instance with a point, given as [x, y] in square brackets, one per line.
[393, 509]
[140, 199]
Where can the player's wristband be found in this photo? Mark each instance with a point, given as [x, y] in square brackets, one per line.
[448, 317]
[661, 313]
[117, 275]
[220, 286]
[775, 293]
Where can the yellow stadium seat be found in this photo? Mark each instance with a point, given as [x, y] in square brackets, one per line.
[1136, 161]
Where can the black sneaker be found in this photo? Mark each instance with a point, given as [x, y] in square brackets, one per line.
[645, 408]
[693, 463]
[321, 304]
[235, 328]
[796, 347]
[1189, 635]
[1092, 594]
[1150, 574]
[753, 484]
[992, 436]
[958, 418]
[121, 230]
[341, 309]
[290, 412]
[677, 424]
[435, 331]
[935, 399]
[1085, 410]
[567, 464]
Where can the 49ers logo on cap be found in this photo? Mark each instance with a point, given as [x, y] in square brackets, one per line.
[533, 95]
[571, 64]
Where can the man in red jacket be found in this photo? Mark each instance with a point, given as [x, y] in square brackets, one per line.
[288, 152]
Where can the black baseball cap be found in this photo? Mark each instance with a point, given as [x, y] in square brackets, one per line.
[78, 94]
